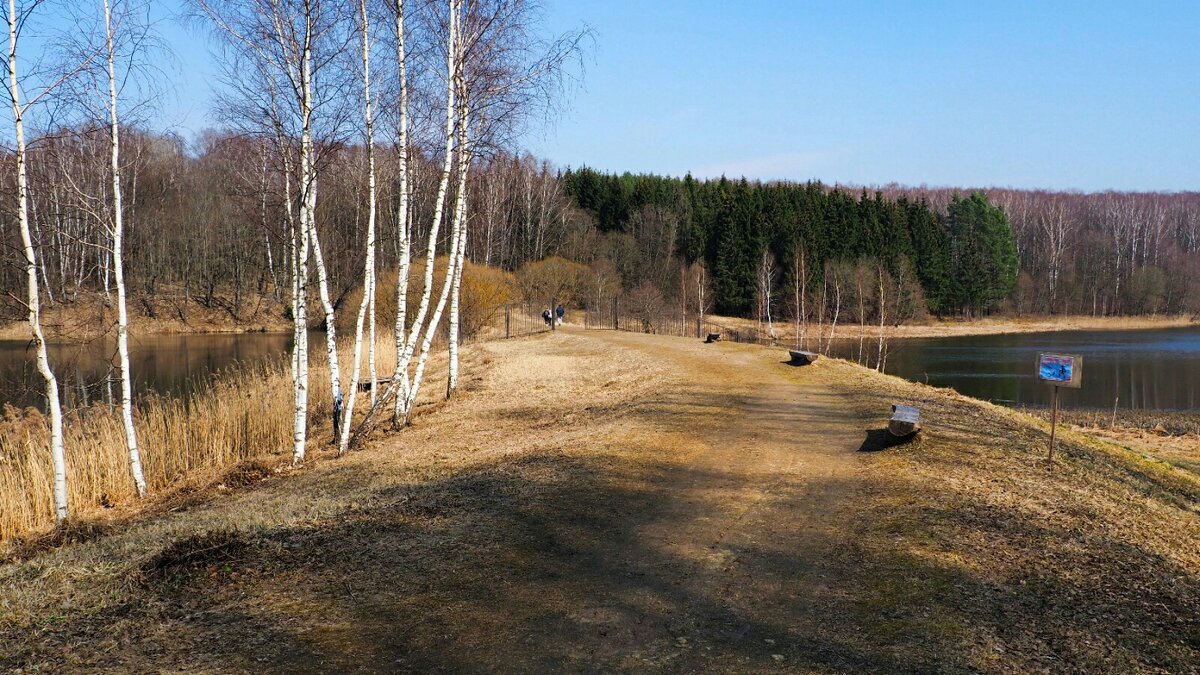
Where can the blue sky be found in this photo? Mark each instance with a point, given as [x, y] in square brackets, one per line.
[1087, 95]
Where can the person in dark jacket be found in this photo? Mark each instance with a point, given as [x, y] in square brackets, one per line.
[560, 311]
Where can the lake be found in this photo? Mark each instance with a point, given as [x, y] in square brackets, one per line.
[171, 365]
[1153, 369]
[1147, 369]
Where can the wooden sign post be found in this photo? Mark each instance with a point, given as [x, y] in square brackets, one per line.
[1060, 370]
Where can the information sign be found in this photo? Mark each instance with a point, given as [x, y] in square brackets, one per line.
[1061, 370]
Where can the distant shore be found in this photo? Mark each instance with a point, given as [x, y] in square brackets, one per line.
[1001, 325]
[91, 317]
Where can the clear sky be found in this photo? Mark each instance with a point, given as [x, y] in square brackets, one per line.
[1088, 95]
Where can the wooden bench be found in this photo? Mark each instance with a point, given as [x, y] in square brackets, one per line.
[365, 385]
[906, 421]
[801, 357]
[712, 337]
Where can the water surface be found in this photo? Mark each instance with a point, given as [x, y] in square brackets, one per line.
[171, 365]
[1143, 369]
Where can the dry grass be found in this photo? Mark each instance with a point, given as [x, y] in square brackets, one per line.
[186, 443]
[631, 503]
[933, 327]
[91, 316]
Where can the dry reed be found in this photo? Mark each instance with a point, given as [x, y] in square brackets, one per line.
[245, 413]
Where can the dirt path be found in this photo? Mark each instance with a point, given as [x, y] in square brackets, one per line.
[614, 502]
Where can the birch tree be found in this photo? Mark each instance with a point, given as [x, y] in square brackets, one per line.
[16, 19]
[456, 136]
[405, 387]
[368, 300]
[290, 45]
[799, 292]
[404, 247]
[422, 326]
[507, 76]
[118, 233]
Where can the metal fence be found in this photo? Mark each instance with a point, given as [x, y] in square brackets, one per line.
[506, 321]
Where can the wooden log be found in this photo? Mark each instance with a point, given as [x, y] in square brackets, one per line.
[802, 358]
[712, 337]
[906, 421]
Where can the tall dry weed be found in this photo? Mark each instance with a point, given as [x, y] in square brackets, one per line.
[243, 414]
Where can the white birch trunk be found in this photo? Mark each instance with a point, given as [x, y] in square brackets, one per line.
[300, 345]
[837, 308]
[419, 325]
[456, 241]
[456, 263]
[57, 453]
[400, 376]
[369, 265]
[879, 356]
[135, 459]
[300, 255]
[308, 207]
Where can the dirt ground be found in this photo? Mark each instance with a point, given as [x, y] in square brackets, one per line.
[615, 502]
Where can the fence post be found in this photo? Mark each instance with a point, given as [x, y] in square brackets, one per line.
[553, 314]
[698, 327]
[507, 321]
[616, 314]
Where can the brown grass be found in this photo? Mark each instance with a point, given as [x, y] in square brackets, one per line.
[630, 503]
[90, 316]
[185, 443]
[933, 327]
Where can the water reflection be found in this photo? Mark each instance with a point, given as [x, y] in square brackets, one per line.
[171, 365]
[1153, 369]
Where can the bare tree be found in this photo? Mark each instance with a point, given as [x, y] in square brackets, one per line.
[799, 292]
[17, 18]
[290, 45]
[118, 235]
[368, 300]
[764, 288]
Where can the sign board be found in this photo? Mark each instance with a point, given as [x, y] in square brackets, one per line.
[1061, 370]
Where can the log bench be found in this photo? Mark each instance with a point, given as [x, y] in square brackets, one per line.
[801, 357]
[906, 421]
[365, 385]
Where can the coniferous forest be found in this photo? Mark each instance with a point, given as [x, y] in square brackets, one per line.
[964, 259]
[971, 252]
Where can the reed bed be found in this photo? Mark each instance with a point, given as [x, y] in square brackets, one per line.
[243, 414]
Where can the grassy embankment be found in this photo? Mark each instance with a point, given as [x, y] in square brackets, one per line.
[638, 502]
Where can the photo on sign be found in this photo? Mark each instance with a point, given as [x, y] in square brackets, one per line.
[1061, 370]
[1056, 370]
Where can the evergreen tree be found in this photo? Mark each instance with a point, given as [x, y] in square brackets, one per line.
[983, 253]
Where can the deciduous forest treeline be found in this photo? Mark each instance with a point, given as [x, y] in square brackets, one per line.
[201, 230]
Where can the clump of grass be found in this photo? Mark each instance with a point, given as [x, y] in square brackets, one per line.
[186, 556]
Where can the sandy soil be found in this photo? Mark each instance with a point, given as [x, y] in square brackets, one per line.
[933, 327]
[600, 502]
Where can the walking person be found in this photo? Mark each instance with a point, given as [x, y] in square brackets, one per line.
[560, 311]
[548, 317]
